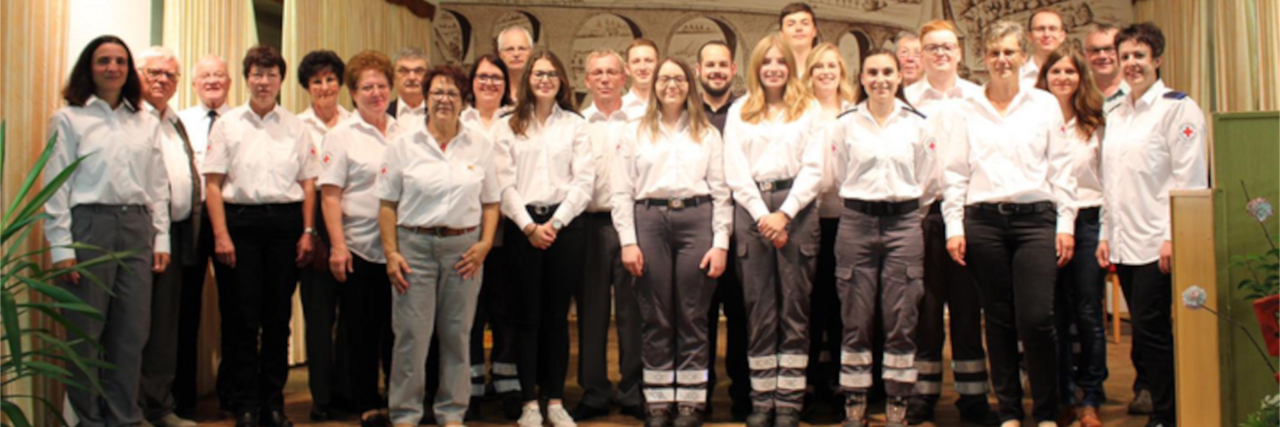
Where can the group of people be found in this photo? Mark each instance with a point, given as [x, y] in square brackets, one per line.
[830, 216]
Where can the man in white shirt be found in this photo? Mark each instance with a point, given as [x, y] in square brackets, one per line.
[907, 45]
[1100, 51]
[642, 65]
[605, 79]
[515, 44]
[158, 71]
[212, 84]
[799, 26]
[1047, 33]
[410, 106]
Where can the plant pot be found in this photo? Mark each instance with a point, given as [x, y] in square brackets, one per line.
[1268, 310]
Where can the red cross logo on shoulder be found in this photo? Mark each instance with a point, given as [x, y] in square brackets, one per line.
[326, 159]
[933, 145]
[1188, 131]
[1063, 129]
[384, 169]
[313, 151]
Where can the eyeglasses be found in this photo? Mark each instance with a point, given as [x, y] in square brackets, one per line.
[489, 78]
[909, 53]
[611, 72]
[667, 80]
[265, 76]
[940, 48]
[443, 95]
[156, 73]
[1100, 50]
[412, 71]
[211, 75]
[539, 75]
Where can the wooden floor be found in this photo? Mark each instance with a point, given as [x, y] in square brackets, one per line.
[1118, 389]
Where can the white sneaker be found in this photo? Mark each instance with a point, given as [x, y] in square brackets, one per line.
[559, 417]
[1011, 423]
[173, 420]
[1047, 424]
[530, 417]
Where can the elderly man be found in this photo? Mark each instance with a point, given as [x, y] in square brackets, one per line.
[907, 45]
[514, 45]
[158, 71]
[212, 83]
[410, 106]
[1047, 33]
[605, 79]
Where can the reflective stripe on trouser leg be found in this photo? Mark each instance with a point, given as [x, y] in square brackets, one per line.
[760, 298]
[970, 376]
[797, 263]
[477, 379]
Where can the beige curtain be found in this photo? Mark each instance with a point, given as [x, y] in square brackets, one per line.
[193, 29]
[346, 27]
[1186, 55]
[33, 51]
[1245, 55]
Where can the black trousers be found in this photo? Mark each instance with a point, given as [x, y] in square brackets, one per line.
[255, 298]
[159, 356]
[1149, 293]
[364, 334]
[192, 301]
[1081, 287]
[546, 279]
[606, 285]
[826, 329]
[495, 308]
[320, 300]
[1013, 260]
[728, 294]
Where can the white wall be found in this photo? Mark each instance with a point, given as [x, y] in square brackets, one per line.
[128, 19]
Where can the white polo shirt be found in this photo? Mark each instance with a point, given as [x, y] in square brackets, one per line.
[439, 188]
[353, 154]
[263, 157]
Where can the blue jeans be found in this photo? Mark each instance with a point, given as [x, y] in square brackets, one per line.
[1081, 284]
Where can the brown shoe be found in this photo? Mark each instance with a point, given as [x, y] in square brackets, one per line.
[1089, 417]
[1066, 415]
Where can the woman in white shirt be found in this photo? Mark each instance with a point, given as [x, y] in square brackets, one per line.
[117, 199]
[672, 210]
[439, 191]
[1081, 283]
[884, 162]
[321, 73]
[546, 170]
[773, 164]
[828, 79]
[260, 176]
[352, 159]
[1010, 212]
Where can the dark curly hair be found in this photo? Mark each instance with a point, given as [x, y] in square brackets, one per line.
[316, 62]
[1145, 33]
[265, 57]
[80, 86]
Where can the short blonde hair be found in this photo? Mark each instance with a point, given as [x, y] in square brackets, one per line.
[1005, 28]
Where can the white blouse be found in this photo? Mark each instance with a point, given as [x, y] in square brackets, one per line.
[773, 149]
[264, 158]
[353, 154]
[889, 163]
[550, 165]
[439, 188]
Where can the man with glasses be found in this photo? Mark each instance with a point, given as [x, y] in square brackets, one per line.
[514, 44]
[410, 107]
[212, 83]
[1047, 33]
[947, 284]
[1100, 51]
[908, 49]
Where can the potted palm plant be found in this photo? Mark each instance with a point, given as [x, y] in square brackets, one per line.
[27, 288]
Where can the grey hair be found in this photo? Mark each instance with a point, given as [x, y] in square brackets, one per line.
[156, 52]
[905, 35]
[600, 53]
[527, 35]
[1102, 27]
[410, 53]
[1004, 28]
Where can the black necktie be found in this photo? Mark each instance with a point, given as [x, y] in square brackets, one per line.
[189, 257]
[213, 117]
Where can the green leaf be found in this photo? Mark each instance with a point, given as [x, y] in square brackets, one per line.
[9, 312]
[91, 374]
[70, 326]
[14, 413]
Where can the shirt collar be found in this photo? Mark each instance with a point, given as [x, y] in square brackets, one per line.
[124, 104]
[593, 114]
[357, 121]
[273, 115]
[901, 109]
[168, 115]
[682, 127]
[1157, 90]
[404, 108]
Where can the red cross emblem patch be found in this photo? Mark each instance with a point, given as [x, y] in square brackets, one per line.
[327, 158]
[933, 144]
[1187, 130]
[384, 169]
[313, 151]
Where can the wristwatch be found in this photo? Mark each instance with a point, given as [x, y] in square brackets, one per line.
[310, 230]
[556, 225]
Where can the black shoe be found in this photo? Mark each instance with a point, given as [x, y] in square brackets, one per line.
[512, 407]
[375, 420]
[321, 413]
[787, 417]
[979, 415]
[274, 418]
[895, 411]
[760, 417]
[658, 418]
[473, 409]
[919, 411]
[855, 410]
[688, 417]
[634, 411]
[740, 410]
[246, 419]
[583, 412]
[1141, 404]
[1154, 423]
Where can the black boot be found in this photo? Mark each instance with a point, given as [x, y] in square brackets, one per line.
[787, 417]
[688, 416]
[658, 418]
[896, 412]
[855, 410]
[919, 410]
[760, 417]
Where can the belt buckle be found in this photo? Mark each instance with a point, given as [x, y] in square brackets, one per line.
[1000, 207]
[541, 210]
[766, 186]
[676, 203]
[440, 231]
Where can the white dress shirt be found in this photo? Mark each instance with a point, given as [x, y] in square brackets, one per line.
[773, 149]
[411, 116]
[889, 163]
[929, 100]
[670, 164]
[439, 188]
[829, 203]
[1084, 161]
[198, 124]
[123, 165]
[606, 132]
[1017, 157]
[634, 106]
[471, 117]
[550, 165]
[1029, 73]
[263, 158]
[317, 128]
[353, 154]
[1153, 144]
[176, 163]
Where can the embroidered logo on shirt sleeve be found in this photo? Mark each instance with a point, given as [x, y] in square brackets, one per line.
[327, 158]
[1187, 130]
[384, 169]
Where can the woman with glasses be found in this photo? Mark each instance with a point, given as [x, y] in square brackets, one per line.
[1010, 214]
[439, 191]
[260, 173]
[773, 164]
[546, 171]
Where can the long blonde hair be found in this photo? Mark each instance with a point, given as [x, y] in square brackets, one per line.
[795, 95]
[698, 123]
[845, 91]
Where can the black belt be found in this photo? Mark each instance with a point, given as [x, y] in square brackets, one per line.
[677, 203]
[882, 208]
[1089, 214]
[266, 207]
[1016, 208]
[936, 207]
[601, 215]
[775, 185]
[542, 210]
[96, 207]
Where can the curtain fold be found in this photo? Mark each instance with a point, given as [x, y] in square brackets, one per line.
[33, 69]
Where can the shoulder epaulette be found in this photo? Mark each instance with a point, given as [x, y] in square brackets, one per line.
[850, 111]
[913, 110]
[1173, 94]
